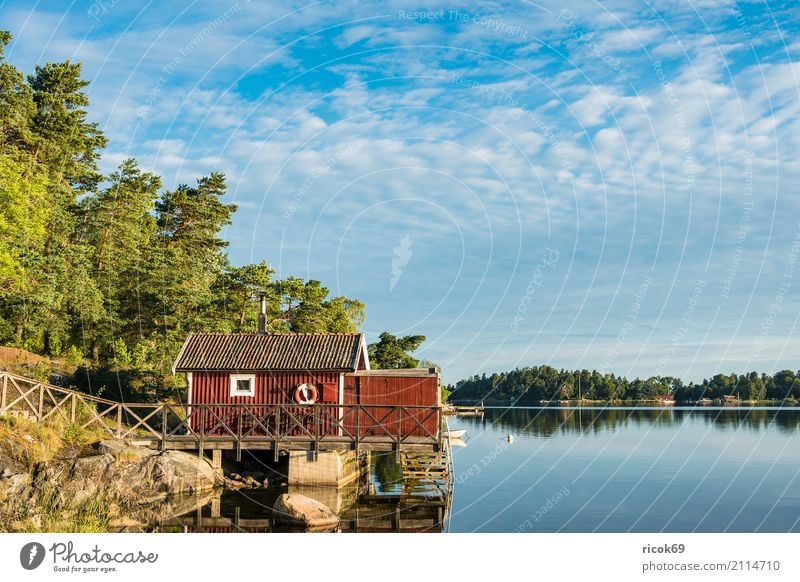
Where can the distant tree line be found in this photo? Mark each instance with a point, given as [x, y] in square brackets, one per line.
[537, 384]
[111, 272]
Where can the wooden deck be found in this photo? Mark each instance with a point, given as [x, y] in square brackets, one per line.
[198, 427]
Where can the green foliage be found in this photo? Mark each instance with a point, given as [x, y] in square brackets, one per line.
[74, 434]
[391, 352]
[23, 219]
[303, 307]
[73, 356]
[534, 385]
[122, 357]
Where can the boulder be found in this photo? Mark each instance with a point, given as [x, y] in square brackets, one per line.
[299, 510]
[130, 475]
[250, 482]
[175, 472]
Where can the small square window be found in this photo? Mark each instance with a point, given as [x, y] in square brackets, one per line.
[243, 384]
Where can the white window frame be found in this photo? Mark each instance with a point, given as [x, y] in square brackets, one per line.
[235, 378]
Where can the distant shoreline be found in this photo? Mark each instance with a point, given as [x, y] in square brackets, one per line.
[651, 403]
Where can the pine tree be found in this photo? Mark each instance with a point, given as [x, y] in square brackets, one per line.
[119, 227]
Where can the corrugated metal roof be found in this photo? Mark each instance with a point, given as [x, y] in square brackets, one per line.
[275, 351]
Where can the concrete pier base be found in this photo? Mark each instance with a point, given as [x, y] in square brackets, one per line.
[330, 468]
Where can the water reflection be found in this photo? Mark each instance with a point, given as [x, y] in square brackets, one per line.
[382, 501]
[548, 421]
[388, 473]
[657, 469]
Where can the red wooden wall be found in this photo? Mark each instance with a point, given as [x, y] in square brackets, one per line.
[382, 392]
[271, 388]
[391, 391]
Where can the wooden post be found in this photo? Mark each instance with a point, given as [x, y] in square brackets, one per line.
[276, 445]
[163, 427]
[399, 424]
[119, 420]
[239, 435]
[315, 409]
[358, 426]
[40, 412]
[73, 410]
[201, 445]
[439, 428]
[5, 393]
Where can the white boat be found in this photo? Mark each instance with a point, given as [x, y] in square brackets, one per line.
[454, 434]
[457, 443]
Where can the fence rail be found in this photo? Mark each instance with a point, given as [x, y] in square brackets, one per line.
[230, 426]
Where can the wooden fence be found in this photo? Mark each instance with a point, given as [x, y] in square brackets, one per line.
[230, 426]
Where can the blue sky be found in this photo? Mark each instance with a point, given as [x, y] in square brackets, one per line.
[609, 186]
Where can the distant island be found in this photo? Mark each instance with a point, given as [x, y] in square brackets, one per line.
[537, 385]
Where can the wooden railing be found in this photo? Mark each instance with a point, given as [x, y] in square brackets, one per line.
[197, 426]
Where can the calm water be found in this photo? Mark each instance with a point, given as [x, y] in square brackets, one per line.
[620, 470]
[571, 470]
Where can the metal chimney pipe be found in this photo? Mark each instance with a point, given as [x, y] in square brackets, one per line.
[262, 316]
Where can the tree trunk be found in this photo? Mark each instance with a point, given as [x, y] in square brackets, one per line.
[243, 314]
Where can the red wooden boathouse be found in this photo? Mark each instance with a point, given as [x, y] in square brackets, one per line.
[324, 377]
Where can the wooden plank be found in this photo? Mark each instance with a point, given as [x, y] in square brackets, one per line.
[57, 404]
[25, 380]
[23, 396]
[98, 418]
[277, 443]
[163, 426]
[4, 394]
[141, 421]
[239, 438]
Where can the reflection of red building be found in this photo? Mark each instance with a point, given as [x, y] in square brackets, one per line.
[299, 370]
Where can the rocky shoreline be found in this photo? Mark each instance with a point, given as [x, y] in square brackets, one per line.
[115, 485]
[114, 478]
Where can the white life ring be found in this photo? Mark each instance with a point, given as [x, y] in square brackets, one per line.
[305, 394]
